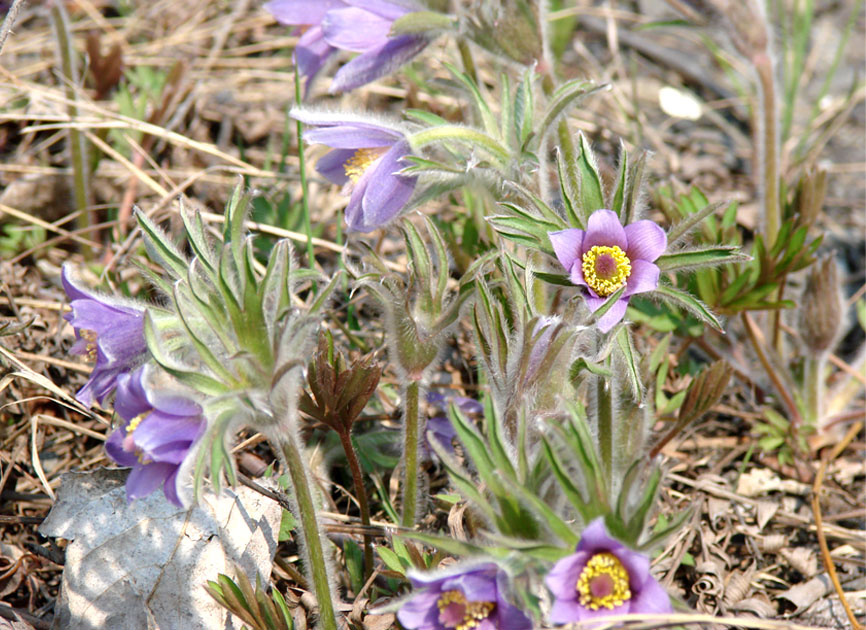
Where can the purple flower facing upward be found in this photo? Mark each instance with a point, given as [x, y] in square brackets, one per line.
[109, 331]
[361, 26]
[367, 157]
[602, 578]
[158, 434]
[464, 598]
[607, 256]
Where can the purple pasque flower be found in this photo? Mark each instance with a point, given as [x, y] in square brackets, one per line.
[365, 27]
[159, 431]
[465, 597]
[603, 577]
[367, 156]
[361, 26]
[312, 50]
[109, 331]
[607, 256]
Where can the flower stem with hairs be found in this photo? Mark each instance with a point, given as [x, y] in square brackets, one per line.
[410, 462]
[318, 569]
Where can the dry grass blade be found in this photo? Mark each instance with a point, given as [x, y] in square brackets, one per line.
[816, 510]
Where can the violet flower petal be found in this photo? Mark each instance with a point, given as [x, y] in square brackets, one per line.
[644, 277]
[476, 587]
[353, 136]
[377, 62]
[646, 240]
[652, 598]
[115, 450]
[603, 228]
[613, 316]
[384, 193]
[332, 165]
[563, 576]
[568, 246]
[389, 10]
[143, 480]
[594, 538]
[420, 611]
[312, 52]
[355, 29]
[300, 12]
[565, 611]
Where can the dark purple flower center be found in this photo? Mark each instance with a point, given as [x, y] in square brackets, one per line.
[455, 612]
[603, 583]
[605, 269]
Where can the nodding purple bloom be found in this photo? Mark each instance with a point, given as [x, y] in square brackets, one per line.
[463, 598]
[439, 428]
[607, 256]
[109, 331]
[159, 432]
[365, 28]
[603, 577]
[312, 51]
[367, 156]
[361, 26]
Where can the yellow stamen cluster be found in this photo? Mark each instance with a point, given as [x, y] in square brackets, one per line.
[603, 564]
[605, 282]
[130, 428]
[90, 337]
[133, 424]
[360, 162]
[473, 612]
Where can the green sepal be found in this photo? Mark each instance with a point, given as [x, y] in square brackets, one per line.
[608, 304]
[571, 491]
[591, 191]
[488, 120]
[691, 221]
[421, 22]
[197, 381]
[428, 118]
[708, 257]
[455, 547]
[622, 182]
[564, 97]
[160, 249]
[204, 351]
[567, 185]
[199, 240]
[626, 347]
[524, 110]
[691, 303]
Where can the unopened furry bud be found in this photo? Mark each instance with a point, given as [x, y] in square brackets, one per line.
[821, 306]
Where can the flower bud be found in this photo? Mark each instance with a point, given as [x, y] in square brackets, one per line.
[821, 307]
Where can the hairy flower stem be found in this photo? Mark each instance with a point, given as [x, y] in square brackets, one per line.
[410, 461]
[302, 169]
[312, 536]
[604, 411]
[361, 492]
[814, 389]
[768, 145]
[466, 58]
[77, 147]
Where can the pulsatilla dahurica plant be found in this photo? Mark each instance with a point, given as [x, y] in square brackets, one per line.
[233, 336]
[552, 462]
